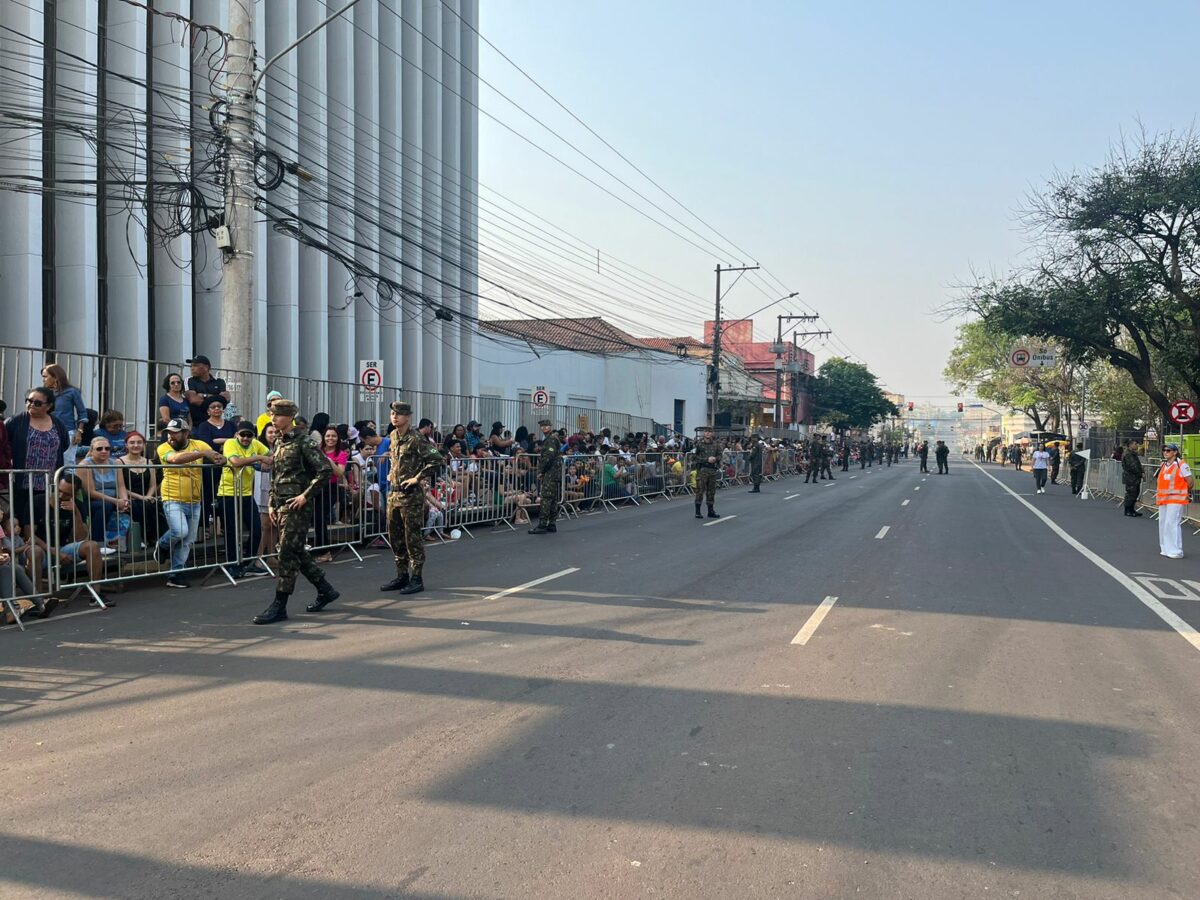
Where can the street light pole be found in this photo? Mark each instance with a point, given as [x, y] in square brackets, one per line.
[714, 377]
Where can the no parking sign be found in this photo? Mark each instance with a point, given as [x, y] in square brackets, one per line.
[370, 379]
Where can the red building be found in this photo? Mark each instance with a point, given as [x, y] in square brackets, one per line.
[737, 336]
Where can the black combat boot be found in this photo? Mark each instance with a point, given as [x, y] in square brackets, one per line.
[326, 594]
[415, 586]
[539, 528]
[699, 515]
[712, 513]
[754, 490]
[552, 528]
[276, 612]
[396, 584]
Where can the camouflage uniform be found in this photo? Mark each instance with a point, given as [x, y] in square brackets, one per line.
[550, 467]
[298, 468]
[706, 472]
[412, 456]
[756, 463]
[814, 463]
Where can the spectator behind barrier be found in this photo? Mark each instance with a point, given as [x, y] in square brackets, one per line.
[112, 426]
[69, 408]
[202, 386]
[38, 441]
[173, 403]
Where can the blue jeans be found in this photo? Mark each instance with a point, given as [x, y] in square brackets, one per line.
[183, 520]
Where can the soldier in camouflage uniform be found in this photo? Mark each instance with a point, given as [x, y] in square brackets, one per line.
[756, 463]
[814, 461]
[298, 469]
[413, 458]
[826, 460]
[550, 465]
[706, 456]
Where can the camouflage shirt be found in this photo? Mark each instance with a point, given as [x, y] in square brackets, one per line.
[297, 467]
[412, 456]
[702, 451]
[756, 453]
[550, 458]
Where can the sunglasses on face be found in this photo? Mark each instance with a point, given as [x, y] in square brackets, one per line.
[29, 401]
[101, 449]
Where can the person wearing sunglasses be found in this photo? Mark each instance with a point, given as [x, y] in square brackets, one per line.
[103, 480]
[173, 404]
[38, 441]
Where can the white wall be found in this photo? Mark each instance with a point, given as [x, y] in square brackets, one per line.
[640, 385]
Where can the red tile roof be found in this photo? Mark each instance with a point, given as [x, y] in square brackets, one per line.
[587, 335]
[672, 344]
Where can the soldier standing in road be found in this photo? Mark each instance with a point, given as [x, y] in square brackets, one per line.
[923, 456]
[550, 469]
[1077, 465]
[1131, 476]
[942, 455]
[826, 459]
[298, 470]
[412, 458]
[845, 454]
[756, 464]
[706, 456]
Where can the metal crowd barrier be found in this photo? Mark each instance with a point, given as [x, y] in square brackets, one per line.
[25, 582]
[1105, 478]
[342, 508]
[582, 479]
[477, 492]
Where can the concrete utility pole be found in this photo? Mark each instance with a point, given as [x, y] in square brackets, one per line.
[779, 350]
[237, 308]
[796, 335]
[714, 377]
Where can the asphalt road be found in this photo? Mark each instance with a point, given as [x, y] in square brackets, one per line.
[988, 708]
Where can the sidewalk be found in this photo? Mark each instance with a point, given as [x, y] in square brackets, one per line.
[1129, 544]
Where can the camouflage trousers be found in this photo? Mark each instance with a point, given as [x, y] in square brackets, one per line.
[405, 524]
[551, 497]
[293, 558]
[706, 485]
[756, 475]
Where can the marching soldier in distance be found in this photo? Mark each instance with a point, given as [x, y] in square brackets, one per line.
[826, 460]
[814, 461]
[756, 454]
[298, 469]
[706, 456]
[550, 470]
[412, 458]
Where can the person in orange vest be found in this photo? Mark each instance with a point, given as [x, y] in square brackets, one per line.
[1174, 487]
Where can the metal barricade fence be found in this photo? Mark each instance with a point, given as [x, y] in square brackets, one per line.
[24, 512]
[650, 476]
[337, 517]
[582, 483]
[101, 538]
[1105, 477]
[471, 493]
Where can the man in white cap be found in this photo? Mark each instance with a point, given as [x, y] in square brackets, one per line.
[1174, 489]
[265, 419]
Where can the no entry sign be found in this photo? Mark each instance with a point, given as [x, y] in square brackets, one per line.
[1183, 412]
[1020, 357]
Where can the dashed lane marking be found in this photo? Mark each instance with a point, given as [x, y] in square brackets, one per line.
[520, 587]
[917, 488]
[905, 503]
[882, 532]
[791, 497]
[814, 621]
[1186, 631]
[718, 521]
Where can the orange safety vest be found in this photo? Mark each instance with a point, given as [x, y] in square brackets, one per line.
[1172, 488]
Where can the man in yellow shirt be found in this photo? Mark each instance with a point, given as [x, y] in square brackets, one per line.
[181, 492]
[235, 496]
[265, 419]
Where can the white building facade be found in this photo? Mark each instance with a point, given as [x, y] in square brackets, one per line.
[591, 366]
[106, 114]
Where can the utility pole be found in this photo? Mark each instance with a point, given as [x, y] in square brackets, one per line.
[714, 377]
[778, 350]
[238, 238]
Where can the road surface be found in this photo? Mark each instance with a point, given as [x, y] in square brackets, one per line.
[892, 685]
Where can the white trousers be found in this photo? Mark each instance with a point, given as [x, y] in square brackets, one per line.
[1170, 529]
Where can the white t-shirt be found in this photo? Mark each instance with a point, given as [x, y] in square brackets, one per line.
[1041, 459]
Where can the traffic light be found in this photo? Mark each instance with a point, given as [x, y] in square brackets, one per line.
[910, 406]
[960, 407]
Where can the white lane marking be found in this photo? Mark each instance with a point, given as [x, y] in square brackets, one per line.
[792, 497]
[882, 532]
[520, 587]
[830, 484]
[924, 479]
[905, 503]
[814, 620]
[917, 488]
[718, 521]
[1186, 631]
[853, 476]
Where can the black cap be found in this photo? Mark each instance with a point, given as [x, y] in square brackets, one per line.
[179, 425]
[246, 427]
[425, 422]
[200, 359]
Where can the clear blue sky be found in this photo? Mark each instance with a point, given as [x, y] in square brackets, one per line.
[870, 155]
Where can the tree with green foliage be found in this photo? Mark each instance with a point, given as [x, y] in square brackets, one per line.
[846, 395]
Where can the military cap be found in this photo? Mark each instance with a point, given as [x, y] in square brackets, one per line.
[400, 408]
[283, 407]
[546, 422]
